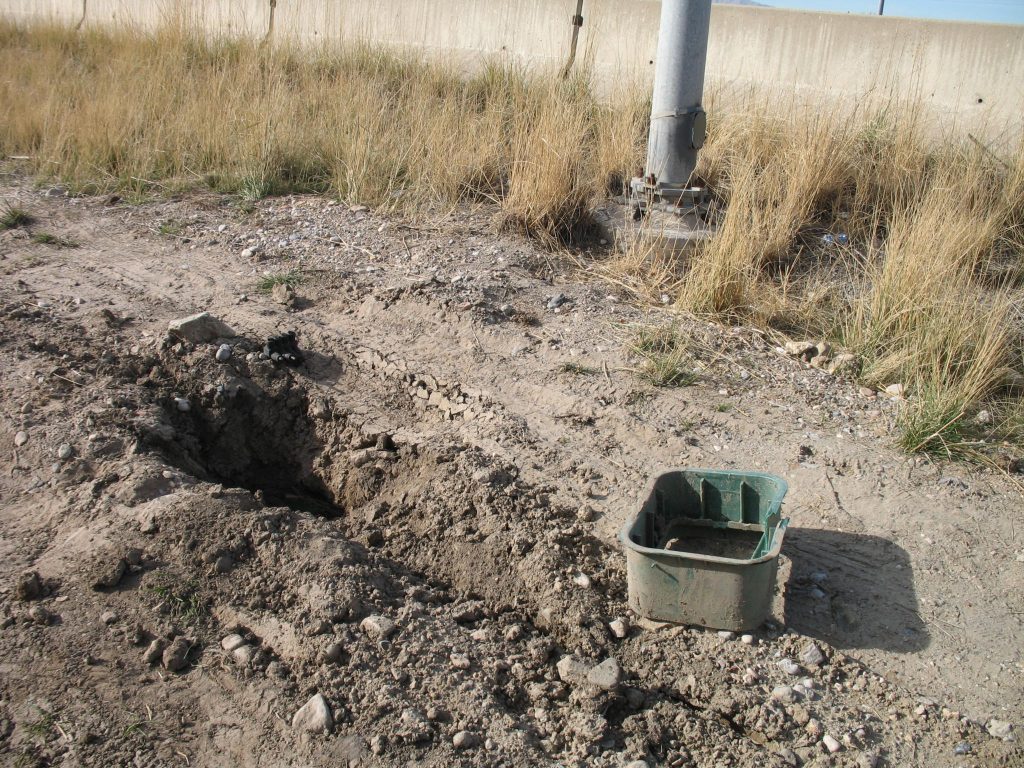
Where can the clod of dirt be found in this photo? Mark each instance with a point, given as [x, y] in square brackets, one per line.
[155, 651]
[175, 656]
[29, 586]
[200, 328]
[107, 571]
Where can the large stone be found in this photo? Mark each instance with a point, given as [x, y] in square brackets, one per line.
[1000, 729]
[314, 716]
[200, 328]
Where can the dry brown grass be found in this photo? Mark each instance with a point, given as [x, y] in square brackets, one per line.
[928, 290]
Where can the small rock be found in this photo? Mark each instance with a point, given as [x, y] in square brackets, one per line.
[40, 615]
[582, 580]
[465, 740]
[895, 391]
[334, 653]
[867, 760]
[831, 744]
[109, 617]
[867, 392]
[557, 301]
[20, 438]
[314, 716]
[748, 640]
[29, 586]
[984, 418]
[1000, 729]
[224, 352]
[607, 675]
[586, 513]
[182, 404]
[460, 661]
[243, 655]
[571, 669]
[789, 756]
[175, 656]
[377, 627]
[789, 666]
[224, 563]
[155, 651]
[230, 642]
[64, 451]
[638, 764]
[727, 635]
[784, 693]
[812, 656]
[619, 627]
[200, 328]
[963, 748]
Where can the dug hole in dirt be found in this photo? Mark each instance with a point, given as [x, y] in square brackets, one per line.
[218, 559]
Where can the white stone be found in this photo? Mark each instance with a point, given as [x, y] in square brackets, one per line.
[831, 744]
[20, 438]
[230, 642]
[1000, 729]
[465, 740]
[314, 716]
[748, 640]
[727, 635]
[789, 666]
[812, 655]
[619, 627]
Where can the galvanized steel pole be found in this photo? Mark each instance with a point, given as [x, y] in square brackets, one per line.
[678, 122]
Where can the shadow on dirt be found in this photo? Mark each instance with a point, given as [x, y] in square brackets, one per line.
[853, 591]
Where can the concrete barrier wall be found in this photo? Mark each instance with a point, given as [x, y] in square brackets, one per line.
[970, 75]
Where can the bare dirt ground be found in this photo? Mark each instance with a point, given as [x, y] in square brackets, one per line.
[418, 523]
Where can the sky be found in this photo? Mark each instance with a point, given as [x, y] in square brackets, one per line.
[1000, 11]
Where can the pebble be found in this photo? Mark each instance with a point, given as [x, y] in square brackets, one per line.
[20, 438]
[378, 627]
[784, 693]
[109, 617]
[465, 740]
[984, 418]
[460, 661]
[65, 451]
[557, 301]
[40, 615]
[748, 640]
[619, 627]
[831, 744]
[1000, 729]
[789, 666]
[571, 669]
[895, 391]
[638, 764]
[607, 675]
[230, 642]
[243, 655]
[582, 580]
[224, 353]
[726, 635]
[182, 404]
[224, 564]
[812, 656]
[334, 653]
[963, 748]
[314, 716]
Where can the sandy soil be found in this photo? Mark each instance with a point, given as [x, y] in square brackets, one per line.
[419, 522]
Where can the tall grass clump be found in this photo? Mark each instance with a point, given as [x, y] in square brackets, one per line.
[142, 113]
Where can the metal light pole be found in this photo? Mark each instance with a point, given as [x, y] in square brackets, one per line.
[678, 121]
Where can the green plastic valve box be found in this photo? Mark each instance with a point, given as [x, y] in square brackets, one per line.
[704, 548]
